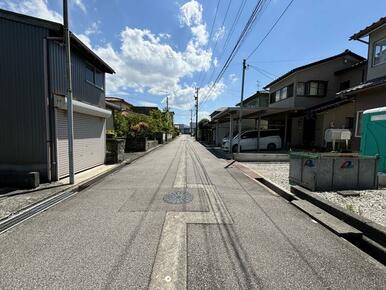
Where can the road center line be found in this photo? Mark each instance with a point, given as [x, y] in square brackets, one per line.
[170, 266]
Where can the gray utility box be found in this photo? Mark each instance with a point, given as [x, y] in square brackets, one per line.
[333, 171]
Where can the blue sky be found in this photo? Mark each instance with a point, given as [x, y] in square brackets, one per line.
[162, 48]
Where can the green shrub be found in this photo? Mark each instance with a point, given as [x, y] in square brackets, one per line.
[134, 124]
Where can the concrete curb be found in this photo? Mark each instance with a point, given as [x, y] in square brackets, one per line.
[261, 157]
[370, 229]
[266, 182]
[42, 205]
[374, 236]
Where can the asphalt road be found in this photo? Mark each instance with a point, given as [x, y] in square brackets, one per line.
[178, 219]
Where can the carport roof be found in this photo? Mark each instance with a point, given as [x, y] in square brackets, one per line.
[251, 113]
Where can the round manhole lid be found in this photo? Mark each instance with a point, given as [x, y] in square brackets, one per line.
[178, 197]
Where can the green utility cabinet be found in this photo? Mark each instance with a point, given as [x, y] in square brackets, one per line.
[373, 139]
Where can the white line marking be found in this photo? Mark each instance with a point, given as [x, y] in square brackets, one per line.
[180, 180]
[171, 259]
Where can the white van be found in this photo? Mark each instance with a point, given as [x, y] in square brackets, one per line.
[269, 140]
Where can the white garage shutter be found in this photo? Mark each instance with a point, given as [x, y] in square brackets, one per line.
[89, 141]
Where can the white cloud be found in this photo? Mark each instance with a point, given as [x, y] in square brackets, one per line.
[191, 13]
[145, 62]
[148, 104]
[219, 34]
[81, 5]
[215, 61]
[93, 28]
[85, 39]
[36, 8]
[191, 16]
[165, 35]
[183, 97]
[200, 34]
[203, 115]
[233, 78]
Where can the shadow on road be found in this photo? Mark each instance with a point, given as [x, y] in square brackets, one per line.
[218, 152]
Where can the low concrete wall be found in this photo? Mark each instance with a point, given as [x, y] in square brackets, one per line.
[115, 150]
[151, 144]
[139, 144]
[261, 157]
[160, 137]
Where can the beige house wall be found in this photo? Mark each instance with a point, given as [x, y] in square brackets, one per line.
[375, 71]
[336, 116]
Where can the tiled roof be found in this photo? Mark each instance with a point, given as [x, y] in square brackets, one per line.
[366, 85]
[116, 99]
[369, 29]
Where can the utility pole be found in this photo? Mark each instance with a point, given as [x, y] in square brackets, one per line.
[241, 106]
[70, 133]
[196, 98]
[191, 122]
[167, 104]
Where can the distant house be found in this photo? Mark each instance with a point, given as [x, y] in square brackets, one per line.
[183, 129]
[121, 103]
[116, 105]
[144, 110]
[371, 93]
[33, 127]
[306, 102]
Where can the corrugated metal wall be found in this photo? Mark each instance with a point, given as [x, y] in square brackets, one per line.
[22, 104]
[82, 90]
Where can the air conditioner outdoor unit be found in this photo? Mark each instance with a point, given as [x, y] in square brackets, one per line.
[337, 135]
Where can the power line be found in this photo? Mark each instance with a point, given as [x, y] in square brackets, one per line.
[229, 35]
[263, 71]
[270, 30]
[211, 32]
[217, 39]
[214, 20]
[233, 26]
[247, 28]
[236, 47]
[287, 60]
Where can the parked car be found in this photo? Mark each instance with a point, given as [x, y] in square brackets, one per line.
[226, 137]
[269, 140]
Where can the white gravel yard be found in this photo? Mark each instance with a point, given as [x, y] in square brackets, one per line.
[370, 204]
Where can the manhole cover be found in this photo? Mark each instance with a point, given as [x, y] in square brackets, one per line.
[178, 197]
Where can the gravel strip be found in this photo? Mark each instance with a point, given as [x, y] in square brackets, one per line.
[370, 204]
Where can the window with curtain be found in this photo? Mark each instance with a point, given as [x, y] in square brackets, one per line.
[300, 89]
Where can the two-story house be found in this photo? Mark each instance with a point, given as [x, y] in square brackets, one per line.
[372, 92]
[121, 103]
[307, 97]
[33, 125]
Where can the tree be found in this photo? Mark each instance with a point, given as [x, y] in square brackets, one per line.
[134, 124]
[120, 124]
[203, 128]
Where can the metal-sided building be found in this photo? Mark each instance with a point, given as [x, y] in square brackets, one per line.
[33, 120]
